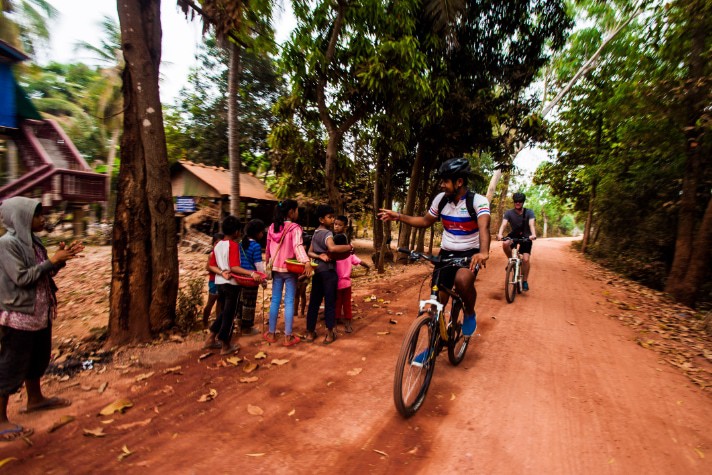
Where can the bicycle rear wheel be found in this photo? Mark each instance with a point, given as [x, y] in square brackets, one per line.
[510, 284]
[457, 346]
[415, 366]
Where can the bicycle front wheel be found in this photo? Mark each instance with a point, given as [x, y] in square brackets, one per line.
[415, 366]
[510, 284]
[457, 346]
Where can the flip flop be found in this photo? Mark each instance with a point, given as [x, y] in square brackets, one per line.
[231, 350]
[347, 327]
[310, 337]
[295, 339]
[267, 338]
[328, 341]
[8, 435]
[47, 405]
[213, 346]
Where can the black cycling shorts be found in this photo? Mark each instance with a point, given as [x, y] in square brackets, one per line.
[524, 248]
[446, 277]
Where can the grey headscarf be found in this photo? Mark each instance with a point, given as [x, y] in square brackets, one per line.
[17, 214]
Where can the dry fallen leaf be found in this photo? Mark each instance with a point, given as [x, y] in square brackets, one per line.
[413, 451]
[120, 405]
[255, 410]
[255, 455]
[381, 452]
[7, 460]
[383, 333]
[103, 387]
[144, 376]
[64, 420]
[279, 362]
[205, 355]
[354, 371]
[249, 367]
[261, 355]
[209, 396]
[329, 383]
[292, 412]
[108, 421]
[399, 313]
[393, 321]
[132, 425]
[125, 452]
[700, 453]
[174, 370]
[250, 379]
[98, 432]
[452, 396]
[234, 360]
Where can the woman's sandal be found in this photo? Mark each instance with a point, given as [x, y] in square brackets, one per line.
[309, 337]
[330, 337]
[291, 340]
[347, 326]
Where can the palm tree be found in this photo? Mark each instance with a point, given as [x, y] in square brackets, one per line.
[109, 102]
[237, 24]
[25, 23]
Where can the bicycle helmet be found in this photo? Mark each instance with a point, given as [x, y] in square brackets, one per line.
[518, 197]
[454, 168]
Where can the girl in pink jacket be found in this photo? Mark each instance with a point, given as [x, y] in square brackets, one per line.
[284, 241]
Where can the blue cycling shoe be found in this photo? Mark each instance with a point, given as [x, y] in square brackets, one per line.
[420, 358]
[469, 325]
[525, 285]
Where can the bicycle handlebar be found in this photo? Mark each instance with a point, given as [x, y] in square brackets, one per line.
[414, 256]
[520, 240]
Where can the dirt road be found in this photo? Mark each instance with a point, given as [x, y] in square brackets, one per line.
[551, 385]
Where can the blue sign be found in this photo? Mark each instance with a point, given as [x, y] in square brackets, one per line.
[185, 204]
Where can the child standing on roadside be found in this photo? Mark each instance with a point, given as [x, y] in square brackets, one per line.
[343, 271]
[325, 280]
[212, 288]
[224, 261]
[251, 259]
[284, 241]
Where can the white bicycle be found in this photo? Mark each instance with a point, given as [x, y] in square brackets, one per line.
[514, 280]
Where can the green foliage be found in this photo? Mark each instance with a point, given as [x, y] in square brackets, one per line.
[196, 127]
[622, 134]
[189, 305]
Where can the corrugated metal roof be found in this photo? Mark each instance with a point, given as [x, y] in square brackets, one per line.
[219, 178]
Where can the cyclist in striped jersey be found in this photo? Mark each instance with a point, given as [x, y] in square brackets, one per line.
[466, 219]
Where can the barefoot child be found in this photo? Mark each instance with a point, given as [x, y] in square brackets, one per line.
[212, 288]
[325, 280]
[28, 305]
[224, 261]
[343, 271]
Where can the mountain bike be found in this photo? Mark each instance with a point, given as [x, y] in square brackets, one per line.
[513, 279]
[427, 336]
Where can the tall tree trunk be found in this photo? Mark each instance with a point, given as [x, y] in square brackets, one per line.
[684, 270]
[501, 199]
[233, 127]
[413, 187]
[111, 157]
[144, 281]
[589, 219]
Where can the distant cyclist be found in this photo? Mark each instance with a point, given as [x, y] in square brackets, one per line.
[466, 218]
[521, 221]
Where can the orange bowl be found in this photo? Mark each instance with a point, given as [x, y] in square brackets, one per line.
[295, 266]
[247, 281]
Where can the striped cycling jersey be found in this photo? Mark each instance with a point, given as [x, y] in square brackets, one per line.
[460, 231]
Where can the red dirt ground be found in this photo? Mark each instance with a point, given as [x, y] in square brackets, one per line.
[554, 384]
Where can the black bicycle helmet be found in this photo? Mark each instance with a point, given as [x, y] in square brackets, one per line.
[454, 168]
[518, 197]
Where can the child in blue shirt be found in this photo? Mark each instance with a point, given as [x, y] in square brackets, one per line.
[251, 259]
